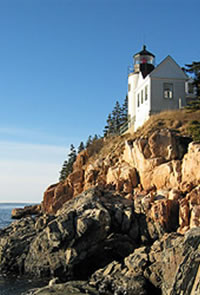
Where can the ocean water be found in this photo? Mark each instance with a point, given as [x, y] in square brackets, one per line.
[13, 286]
[5, 212]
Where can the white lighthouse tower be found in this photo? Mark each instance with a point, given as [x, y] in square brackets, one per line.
[138, 94]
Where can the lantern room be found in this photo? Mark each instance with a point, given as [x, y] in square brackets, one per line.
[144, 61]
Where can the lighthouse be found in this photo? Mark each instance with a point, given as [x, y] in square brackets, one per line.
[144, 64]
[153, 89]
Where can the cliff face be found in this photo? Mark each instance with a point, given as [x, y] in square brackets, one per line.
[126, 220]
[160, 173]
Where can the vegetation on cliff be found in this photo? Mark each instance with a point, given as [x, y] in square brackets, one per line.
[67, 167]
[117, 118]
[194, 70]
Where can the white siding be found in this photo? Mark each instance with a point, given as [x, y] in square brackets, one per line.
[132, 81]
[142, 111]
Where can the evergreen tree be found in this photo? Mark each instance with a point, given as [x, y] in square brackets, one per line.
[116, 116]
[109, 128]
[105, 130]
[95, 137]
[89, 141]
[63, 172]
[194, 69]
[81, 147]
[72, 155]
[124, 115]
[67, 167]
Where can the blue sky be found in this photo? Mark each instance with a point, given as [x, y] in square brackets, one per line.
[63, 65]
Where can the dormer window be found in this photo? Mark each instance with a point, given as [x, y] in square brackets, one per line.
[168, 90]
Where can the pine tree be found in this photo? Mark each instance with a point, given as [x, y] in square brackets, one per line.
[72, 155]
[118, 117]
[116, 114]
[67, 167]
[95, 137]
[63, 172]
[81, 147]
[194, 69]
[124, 115]
[89, 141]
[109, 128]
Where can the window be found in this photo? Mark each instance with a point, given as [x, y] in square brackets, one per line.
[146, 92]
[142, 96]
[129, 87]
[138, 100]
[168, 90]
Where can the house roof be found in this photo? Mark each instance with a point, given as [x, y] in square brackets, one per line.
[168, 68]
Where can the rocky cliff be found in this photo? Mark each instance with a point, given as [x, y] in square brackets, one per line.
[160, 171]
[125, 221]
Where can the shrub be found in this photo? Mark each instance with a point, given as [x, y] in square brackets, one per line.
[194, 130]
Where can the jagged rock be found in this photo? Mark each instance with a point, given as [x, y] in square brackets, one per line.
[14, 245]
[91, 175]
[190, 166]
[169, 267]
[166, 176]
[165, 143]
[76, 181]
[177, 255]
[87, 233]
[162, 217]
[184, 217]
[56, 195]
[18, 213]
[81, 160]
[157, 159]
[123, 177]
[174, 194]
[73, 287]
[146, 243]
[42, 222]
[114, 279]
[126, 277]
[154, 163]
[138, 261]
[189, 212]
[143, 202]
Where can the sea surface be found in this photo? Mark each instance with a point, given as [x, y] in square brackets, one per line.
[5, 212]
[13, 286]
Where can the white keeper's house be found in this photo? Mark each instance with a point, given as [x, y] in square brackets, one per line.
[154, 89]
